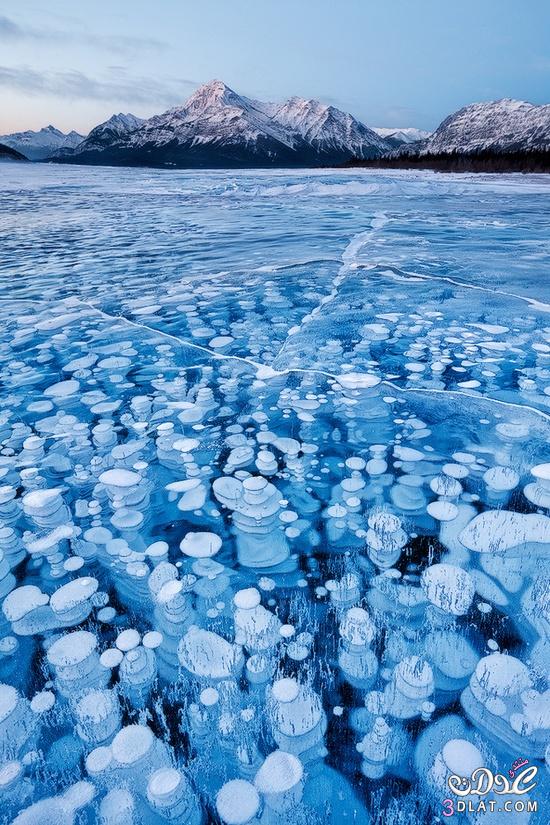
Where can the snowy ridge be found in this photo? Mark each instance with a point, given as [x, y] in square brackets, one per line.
[500, 126]
[326, 128]
[112, 130]
[213, 114]
[41, 144]
[219, 127]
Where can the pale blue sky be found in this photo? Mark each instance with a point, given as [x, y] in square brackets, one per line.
[400, 63]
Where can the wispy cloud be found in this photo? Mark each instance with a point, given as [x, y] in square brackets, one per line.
[117, 86]
[12, 31]
[8, 29]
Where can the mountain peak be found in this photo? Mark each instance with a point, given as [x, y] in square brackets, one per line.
[121, 122]
[212, 93]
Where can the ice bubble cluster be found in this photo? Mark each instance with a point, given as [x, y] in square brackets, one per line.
[271, 554]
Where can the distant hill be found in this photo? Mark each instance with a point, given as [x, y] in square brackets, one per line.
[398, 137]
[7, 153]
[41, 144]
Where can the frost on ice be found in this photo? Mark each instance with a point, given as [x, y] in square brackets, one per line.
[274, 540]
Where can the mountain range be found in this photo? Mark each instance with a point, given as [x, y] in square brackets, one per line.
[42, 144]
[218, 128]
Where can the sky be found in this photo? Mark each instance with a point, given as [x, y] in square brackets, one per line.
[395, 64]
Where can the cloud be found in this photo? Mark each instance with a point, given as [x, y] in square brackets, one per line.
[10, 31]
[117, 86]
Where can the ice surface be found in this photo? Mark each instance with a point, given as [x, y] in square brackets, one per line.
[274, 492]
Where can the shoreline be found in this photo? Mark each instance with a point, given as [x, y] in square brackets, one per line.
[535, 162]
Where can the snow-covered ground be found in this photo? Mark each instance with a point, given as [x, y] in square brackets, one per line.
[274, 514]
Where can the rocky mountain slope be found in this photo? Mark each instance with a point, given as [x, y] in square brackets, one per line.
[7, 153]
[499, 126]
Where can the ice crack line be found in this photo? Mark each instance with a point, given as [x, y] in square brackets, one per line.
[264, 371]
[541, 306]
[349, 255]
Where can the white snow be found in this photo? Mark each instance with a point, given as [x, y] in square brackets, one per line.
[397, 135]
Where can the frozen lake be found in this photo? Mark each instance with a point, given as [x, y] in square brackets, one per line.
[275, 493]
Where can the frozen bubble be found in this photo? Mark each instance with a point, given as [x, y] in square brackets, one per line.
[73, 594]
[501, 479]
[72, 648]
[111, 657]
[237, 802]
[62, 389]
[209, 697]
[132, 743]
[128, 640]
[462, 757]
[285, 690]
[106, 614]
[247, 599]
[442, 510]
[448, 587]
[152, 639]
[279, 773]
[23, 600]
[200, 545]
[120, 478]
[43, 701]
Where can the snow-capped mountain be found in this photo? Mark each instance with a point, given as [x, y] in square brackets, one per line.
[398, 137]
[117, 127]
[214, 119]
[7, 153]
[329, 130]
[218, 127]
[499, 126]
[102, 136]
[41, 144]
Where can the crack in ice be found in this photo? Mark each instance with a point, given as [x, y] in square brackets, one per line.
[541, 306]
[264, 371]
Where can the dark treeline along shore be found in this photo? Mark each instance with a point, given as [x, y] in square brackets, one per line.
[484, 161]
